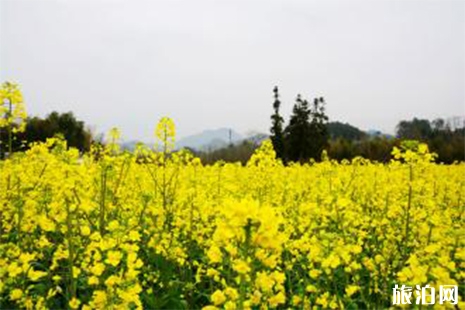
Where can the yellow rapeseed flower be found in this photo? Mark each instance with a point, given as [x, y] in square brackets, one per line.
[114, 258]
[218, 298]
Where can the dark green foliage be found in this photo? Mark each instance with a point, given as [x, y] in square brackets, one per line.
[307, 133]
[446, 138]
[319, 135]
[277, 131]
[417, 129]
[66, 124]
[443, 138]
[38, 129]
[298, 139]
[377, 148]
[449, 145]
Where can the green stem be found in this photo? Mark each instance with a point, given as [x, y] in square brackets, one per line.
[409, 204]
[102, 201]
[10, 135]
[69, 236]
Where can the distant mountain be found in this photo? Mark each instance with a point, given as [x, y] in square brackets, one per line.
[257, 138]
[131, 145]
[345, 131]
[338, 130]
[209, 140]
[216, 139]
[376, 133]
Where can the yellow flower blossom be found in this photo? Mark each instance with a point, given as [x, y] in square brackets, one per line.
[98, 269]
[352, 289]
[74, 303]
[16, 294]
[35, 275]
[218, 298]
[114, 258]
[241, 267]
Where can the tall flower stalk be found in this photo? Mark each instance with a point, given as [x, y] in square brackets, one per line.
[12, 111]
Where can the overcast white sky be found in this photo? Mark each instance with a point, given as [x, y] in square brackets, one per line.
[211, 64]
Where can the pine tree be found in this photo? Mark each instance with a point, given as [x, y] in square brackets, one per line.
[298, 143]
[277, 134]
[307, 133]
[319, 135]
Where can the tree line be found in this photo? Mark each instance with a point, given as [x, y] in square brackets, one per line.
[308, 133]
[443, 137]
[37, 129]
[305, 136]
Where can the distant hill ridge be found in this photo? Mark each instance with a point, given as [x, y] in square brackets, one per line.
[210, 139]
[214, 139]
